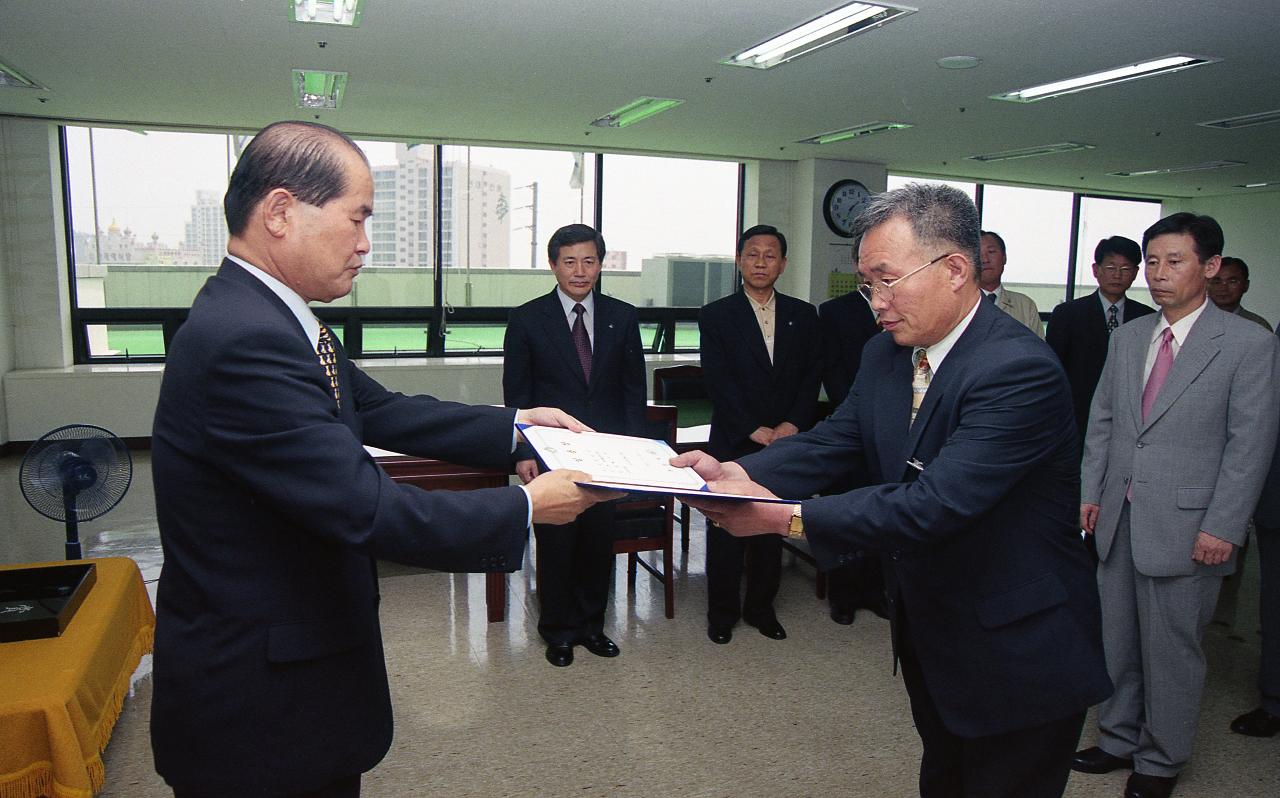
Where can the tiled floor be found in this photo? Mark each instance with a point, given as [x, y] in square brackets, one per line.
[480, 713]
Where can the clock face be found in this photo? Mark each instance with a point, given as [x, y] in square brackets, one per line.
[842, 205]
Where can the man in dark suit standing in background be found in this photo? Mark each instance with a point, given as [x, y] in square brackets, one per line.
[269, 673]
[847, 323]
[761, 363]
[580, 350]
[994, 607]
[1264, 720]
[1078, 329]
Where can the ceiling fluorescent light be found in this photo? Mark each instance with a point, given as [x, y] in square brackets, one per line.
[636, 110]
[317, 89]
[1248, 120]
[327, 12]
[1159, 66]
[1256, 185]
[817, 33]
[854, 132]
[11, 78]
[1031, 152]
[1170, 170]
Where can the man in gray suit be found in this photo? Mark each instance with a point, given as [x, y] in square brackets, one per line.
[1180, 435]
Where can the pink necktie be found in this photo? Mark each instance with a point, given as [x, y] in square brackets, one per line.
[1159, 372]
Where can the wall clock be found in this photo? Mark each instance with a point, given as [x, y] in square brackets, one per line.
[842, 205]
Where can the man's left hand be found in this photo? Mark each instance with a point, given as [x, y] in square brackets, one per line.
[550, 417]
[1210, 550]
[784, 430]
[743, 518]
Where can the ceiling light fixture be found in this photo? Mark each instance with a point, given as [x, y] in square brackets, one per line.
[1247, 120]
[1145, 69]
[1172, 170]
[1256, 185]
[854, 132]
[959, 61]
[316, 89]
[328, 12]
[636, 110]
[817, 33]
[1031, 152]
[11, 78]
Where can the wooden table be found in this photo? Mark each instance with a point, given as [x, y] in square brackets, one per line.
[439, 475]
[60, 696]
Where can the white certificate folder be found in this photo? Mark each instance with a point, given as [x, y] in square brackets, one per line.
[622, 463]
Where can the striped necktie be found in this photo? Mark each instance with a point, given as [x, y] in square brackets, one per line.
[919, 381]
[329, 361]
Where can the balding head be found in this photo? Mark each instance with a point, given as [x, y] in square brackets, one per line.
[303, 158]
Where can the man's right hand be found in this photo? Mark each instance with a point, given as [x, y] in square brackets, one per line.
[1089, 517]
[709, 468]
[763, 435]
[557, 500]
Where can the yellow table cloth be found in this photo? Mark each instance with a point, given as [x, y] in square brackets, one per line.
[60, 696]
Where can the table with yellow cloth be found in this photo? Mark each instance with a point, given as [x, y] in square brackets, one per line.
[60, 696]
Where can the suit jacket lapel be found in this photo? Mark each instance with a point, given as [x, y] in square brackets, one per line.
[605, 334]
[561, 336]
[893, 414]
[1096, 319]
[746, 322]
[1201, 347]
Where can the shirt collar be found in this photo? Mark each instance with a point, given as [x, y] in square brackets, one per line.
[939, 351]
[296, 304]
[1107, 303]
[567, 302]
[995, 293]
[1181, 327]
[768, 305]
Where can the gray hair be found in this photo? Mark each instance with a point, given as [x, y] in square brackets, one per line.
[940, 216]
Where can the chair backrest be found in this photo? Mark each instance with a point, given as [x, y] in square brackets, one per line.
[678, 382]
[660, 421]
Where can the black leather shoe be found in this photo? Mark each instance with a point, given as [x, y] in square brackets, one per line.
[1140, 785]
[1095, 760]
[1258, 723]
[719, 634]
[769, 628]
[600, 645]
[842, 616]
[560, 654]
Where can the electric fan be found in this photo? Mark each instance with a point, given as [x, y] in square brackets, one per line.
[75, 473]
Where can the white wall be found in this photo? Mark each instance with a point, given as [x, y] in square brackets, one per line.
[1251, 224]
[32, 252]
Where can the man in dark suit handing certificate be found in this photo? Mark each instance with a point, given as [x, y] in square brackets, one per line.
[269, 673]
[577, 349]
[961, 419]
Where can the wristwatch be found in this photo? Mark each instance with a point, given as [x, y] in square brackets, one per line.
[795, 529]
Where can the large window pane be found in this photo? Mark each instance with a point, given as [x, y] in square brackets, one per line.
[398, 270]
[1036, 227]
[669, 224]
[1103, 217]
[146, 213]
[500, 207]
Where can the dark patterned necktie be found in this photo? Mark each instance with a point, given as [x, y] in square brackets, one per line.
[582, 341]
[1113, 320]
[991, 298]
[329, 360]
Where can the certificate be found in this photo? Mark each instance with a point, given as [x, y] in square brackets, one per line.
[622, 463]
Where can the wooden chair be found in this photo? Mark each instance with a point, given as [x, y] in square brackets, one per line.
[647, 524]
[681, 386]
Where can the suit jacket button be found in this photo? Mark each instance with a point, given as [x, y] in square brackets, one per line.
[895, 555]
[1140, 444]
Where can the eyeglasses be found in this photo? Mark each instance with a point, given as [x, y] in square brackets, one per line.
[1112, 271]
[884, 288]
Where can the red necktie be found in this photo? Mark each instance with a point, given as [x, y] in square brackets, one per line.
[582, 341]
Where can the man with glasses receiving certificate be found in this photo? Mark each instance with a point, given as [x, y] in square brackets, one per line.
[960, 420]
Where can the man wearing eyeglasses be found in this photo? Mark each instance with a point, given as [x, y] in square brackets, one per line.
[1229, 286]
[960, 421]
[1078, 330]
